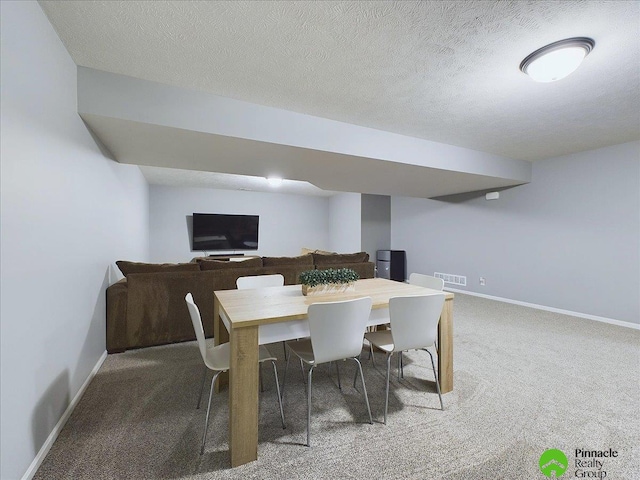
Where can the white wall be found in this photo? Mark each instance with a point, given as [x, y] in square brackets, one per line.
[67, 213]
[287, 222]
[570, 239]
[345, 223]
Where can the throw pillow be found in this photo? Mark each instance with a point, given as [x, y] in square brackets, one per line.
[308, 250]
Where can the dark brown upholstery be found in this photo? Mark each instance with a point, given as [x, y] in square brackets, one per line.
[229, 264]
[340, 258]
[117, 298]
[148, 308]
[301, 260]
[136, 267]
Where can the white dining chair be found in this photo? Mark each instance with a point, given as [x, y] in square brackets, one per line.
[414, 325]
[337, 330]
[217, 359]
[421, 280]
[262, 281]
[426, 281]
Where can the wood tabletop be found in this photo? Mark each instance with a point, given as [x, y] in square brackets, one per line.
[262, 306]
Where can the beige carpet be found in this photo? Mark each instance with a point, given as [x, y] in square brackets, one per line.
[525, 381]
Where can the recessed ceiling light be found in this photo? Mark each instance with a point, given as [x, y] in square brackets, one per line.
[557, 60]
[274, 181]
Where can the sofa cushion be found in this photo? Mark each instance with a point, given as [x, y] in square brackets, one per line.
[138, 267]
[251, 262]
[278, 261]
[339, 258]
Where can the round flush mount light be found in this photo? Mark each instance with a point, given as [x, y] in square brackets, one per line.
[557, 60]
[274, 181]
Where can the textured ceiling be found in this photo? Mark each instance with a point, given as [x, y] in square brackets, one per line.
[445, 71]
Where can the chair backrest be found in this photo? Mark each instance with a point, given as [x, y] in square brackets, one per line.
[259, 281]
[197, 325]
[426, 281]
[414, 320]
[337, 328]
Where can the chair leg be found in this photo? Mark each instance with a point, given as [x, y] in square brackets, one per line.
[364, 390]
[338, 372]
[204, 378]
[261, 380]
[309, 406]
[206, 420]
[284, 376]
[304, 379]
[386, 399]
[435, 374]
[355, 376]
[284, 347]
[371, 356]
[275, 374]
[399, 364]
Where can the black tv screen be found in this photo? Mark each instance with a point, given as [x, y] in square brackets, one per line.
[212, 231]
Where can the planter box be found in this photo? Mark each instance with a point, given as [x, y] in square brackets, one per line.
[328, 289]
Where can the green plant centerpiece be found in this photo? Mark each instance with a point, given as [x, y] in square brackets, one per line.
[324, 282]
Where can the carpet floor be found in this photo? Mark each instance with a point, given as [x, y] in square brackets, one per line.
[525, 381]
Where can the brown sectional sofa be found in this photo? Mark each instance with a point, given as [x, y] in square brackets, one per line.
[147, 307]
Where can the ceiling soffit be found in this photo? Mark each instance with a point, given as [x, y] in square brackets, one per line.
[151, 124]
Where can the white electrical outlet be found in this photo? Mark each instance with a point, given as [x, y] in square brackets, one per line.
[452, 279]
[482, 281]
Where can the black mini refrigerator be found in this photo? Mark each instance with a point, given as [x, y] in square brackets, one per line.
[391, 264]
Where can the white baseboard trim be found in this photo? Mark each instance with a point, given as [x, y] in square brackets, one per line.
[33, 468]
[611, 321]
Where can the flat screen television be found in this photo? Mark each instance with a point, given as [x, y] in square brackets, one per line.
[212, 231]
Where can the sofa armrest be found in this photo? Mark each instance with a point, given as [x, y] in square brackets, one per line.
[117, 316]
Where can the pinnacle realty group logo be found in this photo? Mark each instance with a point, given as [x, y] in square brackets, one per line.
[588, 463]
[553, 462]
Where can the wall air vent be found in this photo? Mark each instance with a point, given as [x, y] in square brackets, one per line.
[452, 279]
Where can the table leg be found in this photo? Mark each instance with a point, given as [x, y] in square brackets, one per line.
[243, 396]
[445, 347]
[220, 336]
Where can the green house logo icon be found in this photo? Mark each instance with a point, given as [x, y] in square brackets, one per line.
[553, 463]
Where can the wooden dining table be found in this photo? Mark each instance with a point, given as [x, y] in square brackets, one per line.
[248, 318]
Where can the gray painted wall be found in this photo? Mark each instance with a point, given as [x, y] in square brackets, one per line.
[287, 222]
[570, 239]
[376, 224]
[344, 223]
[67, 212]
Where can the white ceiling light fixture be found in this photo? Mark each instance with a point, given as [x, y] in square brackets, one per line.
[274, 181]
[557, 60]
